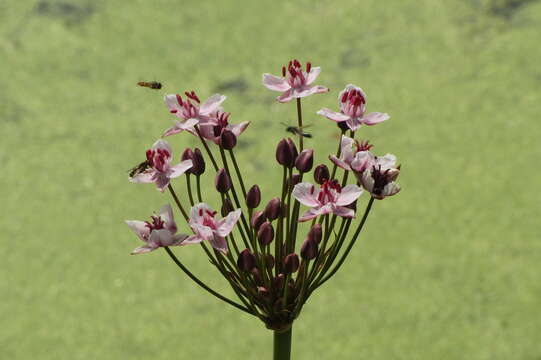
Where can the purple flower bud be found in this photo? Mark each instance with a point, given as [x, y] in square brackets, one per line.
[222, 182]
[257, 276]
[321, 174]
[291, 263]
[309, 249]
[305, 161]
[295, 179]
[228, 140]
[293, 149]
[253, 197]
[258, 218]
[198, 161]
[227, 207]
[263, 291]
[315, 233]
[342, 125]
[273, 209]
[187, 155]
[284, 155]
[246, 260]
[278, 281]
[265, 234]
[269, 261]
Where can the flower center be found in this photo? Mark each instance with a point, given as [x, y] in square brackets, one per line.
[188, 110]
[156, 223]
[363, 145]
[381, 178]
[208, 218]
[353, 102]
[158, 158]
[294, 73]
[329, 191]
[222, 119]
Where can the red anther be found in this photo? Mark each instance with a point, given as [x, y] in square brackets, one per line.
[312, 189]
[363, 145]
[200, 212]
[196, 98]
[296, 63]
[149, 155]
[308, 66]
[344, 97]
[173, 111]
[289, 65]
[283, 71]
[179, 100]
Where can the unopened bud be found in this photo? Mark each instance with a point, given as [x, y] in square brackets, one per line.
[222, 182]
[315, 233]
[228, 140]
[246, 260]
[257, 276]
[269, 261]
[227, 207]
[291, 263]
[265, 234]
[321, 174]
[342, 125]
[263, 291]
[273, 209]
[198, 161]
[284, 155]
[188, 155]
[278, 281]
[253, 197]
[258, 218]
[295, 179]
[293, 149]
[305, 160]
[309, 249]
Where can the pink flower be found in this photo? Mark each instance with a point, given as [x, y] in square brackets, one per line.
[159, 169]
[354, 155]
[295, 82]
[330, 198]
[189, 112]
[159, 232]
[352, 102]
[206, 227]
[213, 131]
[379, 180]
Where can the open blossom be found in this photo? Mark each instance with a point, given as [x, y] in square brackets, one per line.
[354, 155]
[295, 82]
[379, 180]
[330, 198]
[189, 112]
[159, 232]
[206, 227]
[352, 102]
[159, 169]
[213, 131]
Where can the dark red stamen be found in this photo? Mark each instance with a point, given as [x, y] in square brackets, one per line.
[179, 99]
[308, 66]
[283, 71]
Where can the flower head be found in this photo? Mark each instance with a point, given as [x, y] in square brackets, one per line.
[295, 81]
[352, 102]
[213, 130]
[330, 198]
[206, 227]
[190, 112]
[159, 169]
[379, 180]
[159, 232]
[354, 155]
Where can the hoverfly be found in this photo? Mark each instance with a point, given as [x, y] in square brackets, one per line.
[138, 169]
[295, 130]
[150, 84]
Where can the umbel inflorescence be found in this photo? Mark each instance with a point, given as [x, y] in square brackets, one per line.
[273, 255]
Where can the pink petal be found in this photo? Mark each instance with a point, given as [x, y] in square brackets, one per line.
[309, 90]
[374, 118]
[306, 193]
[162, 144]
[367, 181]
[354, 123]
[166, 213]
[315, 212]
[387, 161]
[207, 131]
[226, 225]
[203, 231]
[346, 151]
[172, 130]
[144, 177]
[143, 249]
[178, 239]
[180, 168]
[212, 104]
[194, 239]
[172, 103]
[275, 83]
[390, 189]
[219, 243]
[161, 180]
[139, 228]
[332, 115]
[286, 96]
[349, 194]
[195, 212]
[339, 162]
[343, 212]
[312, 75]
[238, 129]
[161, 237]
[188, 124]
[363, 160]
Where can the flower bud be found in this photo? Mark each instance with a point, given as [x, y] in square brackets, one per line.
[187, 155]
[305, 160]
[228, 140]
[257, 276]
[321, 174]
[265, 234]
[246, 260]
[227, 207]
[284, 154]
[293, 149]
[309, 249]
[315, 233]
[278, 281]
[222, 181]
[273, 209]
[258, 218]
[291, 263]
[295, 179]
[253, 197]
[269, 261]
[342, 125]
[198, 161]
[263, 291]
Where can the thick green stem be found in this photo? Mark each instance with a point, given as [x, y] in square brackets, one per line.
[282, 345]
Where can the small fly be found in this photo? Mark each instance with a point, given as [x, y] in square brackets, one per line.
[296, 130]
[150, 84]
[138, 169]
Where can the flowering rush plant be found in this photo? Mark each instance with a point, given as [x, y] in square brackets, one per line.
[274, 255]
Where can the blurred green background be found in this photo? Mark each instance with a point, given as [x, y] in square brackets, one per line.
[447, 269]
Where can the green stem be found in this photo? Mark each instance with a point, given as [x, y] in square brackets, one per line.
[282, 345]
